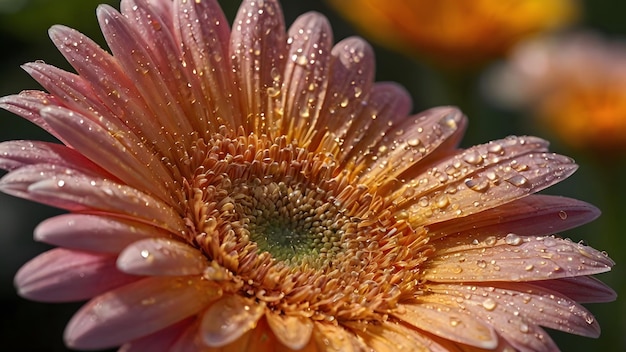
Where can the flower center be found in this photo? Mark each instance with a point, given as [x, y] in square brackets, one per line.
[283, 226]
[293, 223]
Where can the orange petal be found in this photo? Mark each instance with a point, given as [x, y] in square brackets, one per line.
[292, 331]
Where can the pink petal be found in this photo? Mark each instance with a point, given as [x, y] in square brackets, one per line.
[582, 289]
[15, 154]
[305, 76]
[136, 310]
[94, 232]
[72, 90]
[161, 256]
[110, 84]
[480, 258]
[160, 341]
[516, 310]
[418, 141]
[67, 189]
[536, 215]
[229, 318]
[350, 81]
[28, 104]
[153, 22]
[204, 33]
[448, 322]
[62, 275]
[481, 178]
[386, 104]
[117, 151]
[292, 331]
[259, 28]
[137, 61]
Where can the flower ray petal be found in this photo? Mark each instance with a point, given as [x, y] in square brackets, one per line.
[84, 193]
[351, 78]
[386, 104]
[305, 78]
[146, 73]
[535, 215]
[481, 178]
[259, 76]
[516, 309]
[111, 85]
[511, 258]
[161, 256]
[292, 331]
[229, 318]
[203, 30]
[28, 104]
[332, 338]
[114, 150]
[62, 275]
[418, 141]
[16, 154]
[391, 336]
[160, 341]
[582, 289]
[95, 233]
[448, 322]
[137, 309]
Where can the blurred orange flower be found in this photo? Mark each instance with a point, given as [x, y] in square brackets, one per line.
[575, 84]
[452, 32]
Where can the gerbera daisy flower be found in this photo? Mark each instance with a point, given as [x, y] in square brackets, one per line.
[253, 189]
[456, 33]
[574, 84]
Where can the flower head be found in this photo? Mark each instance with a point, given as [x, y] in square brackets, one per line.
[575, 84]
[456, 33]
[252, 188]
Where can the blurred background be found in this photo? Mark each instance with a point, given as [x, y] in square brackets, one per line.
[554, 69]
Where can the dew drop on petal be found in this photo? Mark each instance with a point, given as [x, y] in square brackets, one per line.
[513, 239]
[489, 304]
[518, 181]
[524, 328]
[454, 321]
[563, 215]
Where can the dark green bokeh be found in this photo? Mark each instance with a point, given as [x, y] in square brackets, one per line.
[31, 326]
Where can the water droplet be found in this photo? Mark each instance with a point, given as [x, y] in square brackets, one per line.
[495, 148]
[524, 328]
[145, 253]
[300, 59]
[518, 181]
[513, 239]
[60, 183]
[473, 158]
[562, 215]
[454, 321]
[489, 304]
[478, 184]
[529, 267]
[490, 241]
[481, 264]
[413, 142]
